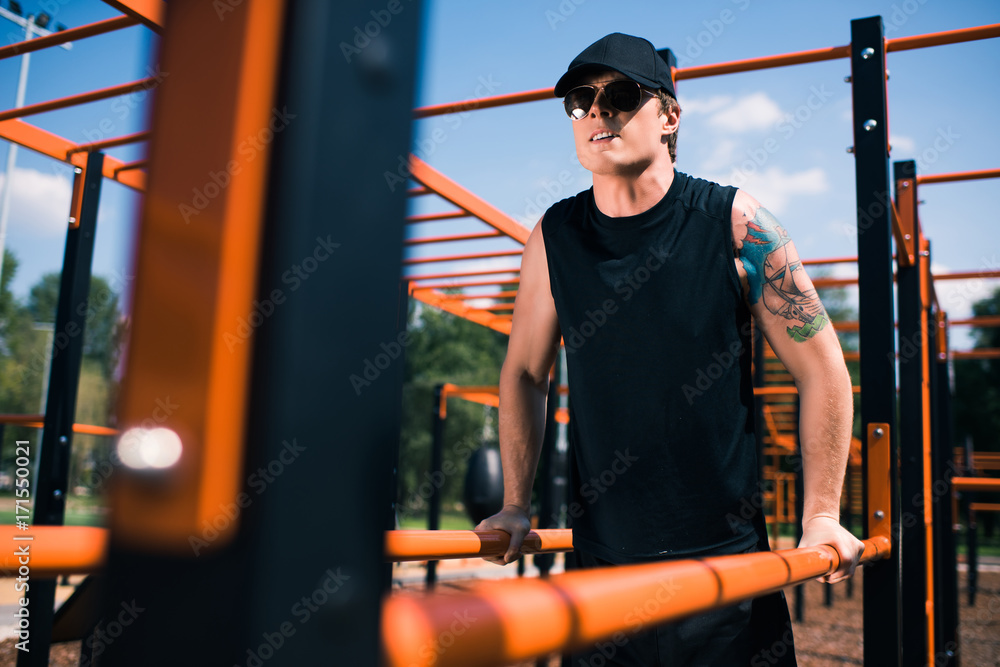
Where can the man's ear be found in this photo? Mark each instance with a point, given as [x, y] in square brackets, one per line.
[669, 122]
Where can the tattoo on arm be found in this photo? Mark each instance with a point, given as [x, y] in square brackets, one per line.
[776, 278]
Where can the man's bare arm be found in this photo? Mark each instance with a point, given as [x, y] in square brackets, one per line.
[788, 311]
[524, 382]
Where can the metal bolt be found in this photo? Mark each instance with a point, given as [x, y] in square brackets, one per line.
[878, 432]
[63, 440]
[921, 202]
[71, 220]
[906, 236]
[57, 494]
[850, 149]
[868, 53]
[77, 170]
[887, 75]
[870, 124]
[879, 514]
[925, 253]
[906, 184]
[847, 79]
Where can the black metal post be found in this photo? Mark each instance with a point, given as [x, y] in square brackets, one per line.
[882, 623]
[50, 488]
[912, 353]
[943, 462]
[437, 454]
[399, 370]
[547, 471]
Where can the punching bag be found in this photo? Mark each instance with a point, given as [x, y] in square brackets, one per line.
[483, 484]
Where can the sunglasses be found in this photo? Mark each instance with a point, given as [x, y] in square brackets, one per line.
[622, 95]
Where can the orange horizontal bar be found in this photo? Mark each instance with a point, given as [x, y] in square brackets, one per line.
[766, 62]
[496, 295]
[38, 421]
[453, 237]
[82, 98]
[138, 164]
[958, 176]
[455, 307]
[461, 258]
[468, 283]
[987, 353]
[499, 306]
[984, 507]
[966, 275]
[418, 191]
[418, 545]
[831, 260]
[432, 217]
[984, 321]
[516, 621]
[976, 483]
[63, 36]
[110, 143]
[460, 274]
[44, 142]
[151, 12]
[940, 38]
[54, 550]
[485, 103]
[780, 391]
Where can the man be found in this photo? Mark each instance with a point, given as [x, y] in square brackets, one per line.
[651, 278]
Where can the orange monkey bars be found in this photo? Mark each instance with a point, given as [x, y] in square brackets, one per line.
[53, 550]
[419, 545]
[510, 621]
[976, 483]
[958, 176]
[37, 421]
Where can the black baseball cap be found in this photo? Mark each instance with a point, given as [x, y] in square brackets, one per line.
[634, 57]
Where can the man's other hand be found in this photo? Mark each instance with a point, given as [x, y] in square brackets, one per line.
[513, 520]
[827, 530]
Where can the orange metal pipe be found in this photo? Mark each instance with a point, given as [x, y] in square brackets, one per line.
[460, 274]
[433, 217]
[470, 283]
[958, 176]
[485, 102]
[459, 258]
[453, 237]
[138, 164]
[496, 295]
[418, 191]
[965, 275]
[987, 353]
[515, 621]
[38, 421]
[110, 143]
[766, 62]
[984, 321]
[82, 98]
[57, 38]
[831, 260]
[941, 38]
[976, 483]
[54, 550]
[418, 545]
[789, 390]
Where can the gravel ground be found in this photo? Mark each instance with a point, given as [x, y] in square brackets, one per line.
[828, 637]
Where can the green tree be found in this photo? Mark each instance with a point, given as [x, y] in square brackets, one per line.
[443, 348]
[977, 385]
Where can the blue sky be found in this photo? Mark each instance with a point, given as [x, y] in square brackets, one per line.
[520, 158]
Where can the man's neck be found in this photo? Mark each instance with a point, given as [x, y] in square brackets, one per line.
[618, 196]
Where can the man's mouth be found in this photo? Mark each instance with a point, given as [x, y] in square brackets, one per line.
[603, 135]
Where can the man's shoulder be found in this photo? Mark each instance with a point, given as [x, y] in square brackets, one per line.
[566, 209]
[707, 195]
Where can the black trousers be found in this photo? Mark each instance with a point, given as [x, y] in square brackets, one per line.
[753, 633]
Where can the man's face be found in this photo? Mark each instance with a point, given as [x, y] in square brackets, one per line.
[638, 137]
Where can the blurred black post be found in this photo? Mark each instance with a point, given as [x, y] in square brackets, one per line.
[437, 454]
[49, 492]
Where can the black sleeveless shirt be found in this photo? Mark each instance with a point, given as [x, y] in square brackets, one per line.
[662, 446]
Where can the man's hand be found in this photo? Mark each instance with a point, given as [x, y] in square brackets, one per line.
[827, 530]
[516, 522]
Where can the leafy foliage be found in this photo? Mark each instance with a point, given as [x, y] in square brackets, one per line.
[977, 386]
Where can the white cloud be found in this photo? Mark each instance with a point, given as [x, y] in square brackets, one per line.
[774, 187]
[756, 111]
[903, 143]
[723, 155]
[708, 105]
[39, 202]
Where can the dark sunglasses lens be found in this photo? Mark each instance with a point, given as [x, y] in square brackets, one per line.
[623, 95]
[578, 102]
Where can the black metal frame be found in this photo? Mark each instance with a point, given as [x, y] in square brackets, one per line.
[50, 488]
[882, 622]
